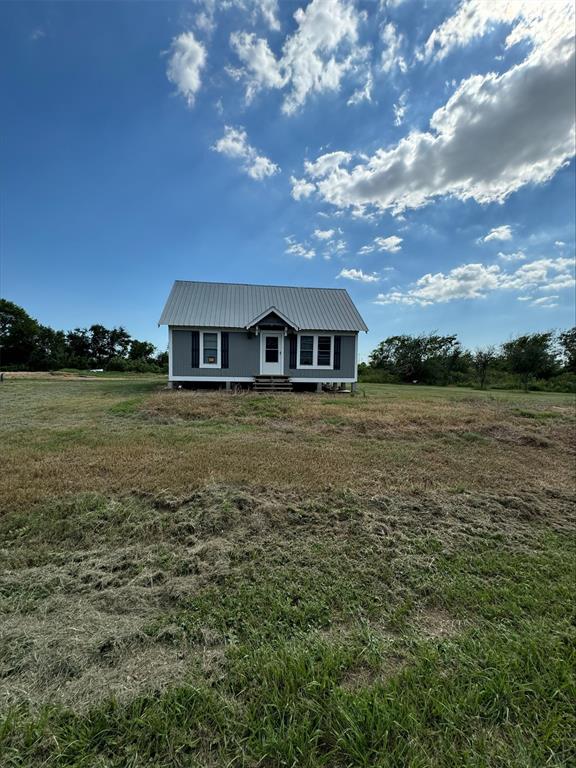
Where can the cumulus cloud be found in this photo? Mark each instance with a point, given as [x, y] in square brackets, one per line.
[391, 244]
[294, 248]
[301, 188]
[235, 144]
[314, 58]
[498, 233]
[496, 134]
[358, 275]
[514, 256]
[324, 234]
[187, 60]
[476, 281]
[544, 24]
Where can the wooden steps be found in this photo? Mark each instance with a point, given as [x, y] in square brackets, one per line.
[269, 384]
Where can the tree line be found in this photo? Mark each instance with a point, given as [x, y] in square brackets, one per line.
[26, 344]
[541, 361]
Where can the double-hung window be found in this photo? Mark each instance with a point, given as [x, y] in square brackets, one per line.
[315, 351]
[210, 349]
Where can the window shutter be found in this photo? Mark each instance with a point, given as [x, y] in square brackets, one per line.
[224, 338]
[337, 351]
[195, 349]
[293, 343]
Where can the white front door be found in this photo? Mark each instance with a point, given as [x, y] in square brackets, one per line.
[271, 353]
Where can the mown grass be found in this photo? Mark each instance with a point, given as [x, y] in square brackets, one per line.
[410, 604]
[68, 437]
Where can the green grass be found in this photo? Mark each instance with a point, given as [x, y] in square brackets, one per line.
[147, 620]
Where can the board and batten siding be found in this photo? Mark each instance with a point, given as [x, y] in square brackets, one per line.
[244, 358]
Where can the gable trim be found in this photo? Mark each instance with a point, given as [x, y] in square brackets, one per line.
[269, 311]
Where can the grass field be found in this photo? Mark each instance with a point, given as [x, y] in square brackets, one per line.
[201, 579]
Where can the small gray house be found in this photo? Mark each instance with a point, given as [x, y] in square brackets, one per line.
[268, 336]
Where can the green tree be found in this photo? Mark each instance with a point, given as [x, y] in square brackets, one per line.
[428, 358]
[79, 349]
[106, 344]
[18, 334]
[567, 341]
[482, 360]
[531, 356]
[141, 350]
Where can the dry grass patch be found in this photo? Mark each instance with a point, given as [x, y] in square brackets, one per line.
[68, 437]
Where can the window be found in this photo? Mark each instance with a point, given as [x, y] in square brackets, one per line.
[315, 351]
[210, 350]
[271, 351]
[306, 350]
[324, 350]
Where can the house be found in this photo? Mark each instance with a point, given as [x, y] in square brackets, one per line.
[269, 336]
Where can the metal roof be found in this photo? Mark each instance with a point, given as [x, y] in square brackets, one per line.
[236, 305]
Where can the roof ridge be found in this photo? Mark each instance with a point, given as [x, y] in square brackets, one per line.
[265, 285]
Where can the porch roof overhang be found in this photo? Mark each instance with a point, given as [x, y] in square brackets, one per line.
[272, 311]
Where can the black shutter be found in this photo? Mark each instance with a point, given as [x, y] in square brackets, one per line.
[337, 350]
[195, 349]
[293, 342]
[224, 351]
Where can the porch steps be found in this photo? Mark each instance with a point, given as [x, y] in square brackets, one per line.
[272, 384]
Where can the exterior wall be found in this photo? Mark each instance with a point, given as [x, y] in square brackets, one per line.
[244, 356]
[244, 359]
[347, 362]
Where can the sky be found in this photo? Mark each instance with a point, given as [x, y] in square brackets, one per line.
[419, 154]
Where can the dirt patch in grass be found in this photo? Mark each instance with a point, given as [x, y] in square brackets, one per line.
[365, 676]
[436, 623]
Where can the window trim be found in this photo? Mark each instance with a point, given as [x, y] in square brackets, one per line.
[218, 362]
[314, 365]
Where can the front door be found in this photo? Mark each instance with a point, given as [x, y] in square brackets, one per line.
[271, 354]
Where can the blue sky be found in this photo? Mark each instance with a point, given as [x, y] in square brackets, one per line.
[419, 154]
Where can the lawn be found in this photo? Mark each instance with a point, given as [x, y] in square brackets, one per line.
[205, 579]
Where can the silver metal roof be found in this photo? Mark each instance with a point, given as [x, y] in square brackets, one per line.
[236, 305]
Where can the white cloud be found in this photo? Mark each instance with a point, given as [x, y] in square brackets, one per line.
[314, 58]
[235, 144]
[400, 109]
[498, 233]
[327, 164]
[252, 10]
[542, 275]
[476, 281]
[514, 256]
[187, 60]
[545, 301]
[496, 134]
[301, 188]
[324, 234]
[544, 24]
[269, 12]
[391, 244]
[559, 243]
[298, 249]
[362, 94]
[357, 274]
[391, 56]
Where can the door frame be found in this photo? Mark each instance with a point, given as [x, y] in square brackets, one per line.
[280, 364]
